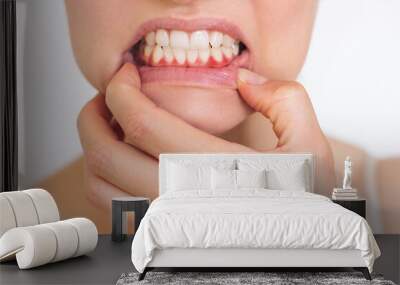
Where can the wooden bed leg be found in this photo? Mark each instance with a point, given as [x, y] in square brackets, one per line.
[142, 275]
[364, 271]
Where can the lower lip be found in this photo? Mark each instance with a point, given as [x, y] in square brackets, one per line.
[195, 76]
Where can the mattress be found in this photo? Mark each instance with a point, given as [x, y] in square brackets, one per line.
[251, 219]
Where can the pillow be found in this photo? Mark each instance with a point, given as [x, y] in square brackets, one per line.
[282, 174]
[223, 179]
[287, 179]
[183, 177]
[251, 178]
[205, 162]
[235, 179]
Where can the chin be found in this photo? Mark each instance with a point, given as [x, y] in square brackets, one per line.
[213, 110]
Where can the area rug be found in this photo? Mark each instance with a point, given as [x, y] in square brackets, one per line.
[268, 278]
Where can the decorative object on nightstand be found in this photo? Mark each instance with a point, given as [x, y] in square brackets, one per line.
[120, 206]
[346, 192]
[357, 206]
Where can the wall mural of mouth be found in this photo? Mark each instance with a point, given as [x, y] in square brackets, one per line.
[197, 59]
[191, 53]
[195, 49]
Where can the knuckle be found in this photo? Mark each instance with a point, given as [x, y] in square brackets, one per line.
[291, 88]
[98, 158]
[261, 107]
[137, 126]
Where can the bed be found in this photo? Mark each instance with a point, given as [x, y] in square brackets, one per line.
[245, 211]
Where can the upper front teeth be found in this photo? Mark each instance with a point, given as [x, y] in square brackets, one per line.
[151, 39]
[162, 38]
[189, 47]
[194, 40]
[216, 39]
[199, 40]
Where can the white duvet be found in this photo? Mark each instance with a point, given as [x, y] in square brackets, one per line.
[252, 218]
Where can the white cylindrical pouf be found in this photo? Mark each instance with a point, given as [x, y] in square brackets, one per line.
[67, 239]
[40, 244]
[45, 205]
[23, 207]
[87, 234]
[35, 245]
[7, 218]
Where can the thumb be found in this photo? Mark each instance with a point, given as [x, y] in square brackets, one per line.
[127, 75]
[123, 94]
[286, 104]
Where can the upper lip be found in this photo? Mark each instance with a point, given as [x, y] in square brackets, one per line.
[190, 26]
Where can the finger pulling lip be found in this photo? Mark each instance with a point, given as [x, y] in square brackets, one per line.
[212, 73]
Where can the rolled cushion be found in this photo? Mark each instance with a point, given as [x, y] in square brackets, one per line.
[67, 240]
[46, 207]
[26, 208]
[23, 208]
[87, 234]
[7, 218]
[41, 244]
[33, 246]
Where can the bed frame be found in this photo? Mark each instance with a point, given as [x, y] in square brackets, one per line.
[248, 259]
[259, 259]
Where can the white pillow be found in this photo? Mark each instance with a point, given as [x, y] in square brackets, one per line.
[183, 177]
[223, 179]
[251, 178]
[288, 179]
[282, 174]
[235, 179]
[205, 162]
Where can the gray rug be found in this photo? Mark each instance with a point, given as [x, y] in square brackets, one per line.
[269, 278]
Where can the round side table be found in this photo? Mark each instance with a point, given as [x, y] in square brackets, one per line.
[120, 205]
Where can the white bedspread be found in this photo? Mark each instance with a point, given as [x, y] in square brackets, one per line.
[250, 219]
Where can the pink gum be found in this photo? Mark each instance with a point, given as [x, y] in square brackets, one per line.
[210, 63]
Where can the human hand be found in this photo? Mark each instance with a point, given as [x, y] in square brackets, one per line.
[287, 105]
[121, 162]
[131, 165]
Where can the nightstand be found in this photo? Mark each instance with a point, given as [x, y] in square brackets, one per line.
[357, 206]
[120, 205]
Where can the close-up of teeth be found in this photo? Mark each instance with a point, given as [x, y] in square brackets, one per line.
[179, 48]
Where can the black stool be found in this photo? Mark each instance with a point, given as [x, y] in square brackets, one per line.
[139, 205]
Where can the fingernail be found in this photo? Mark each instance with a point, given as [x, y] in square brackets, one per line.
[249, 77]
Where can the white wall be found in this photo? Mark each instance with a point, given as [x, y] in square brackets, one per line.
[53, 91]
[351, 73]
